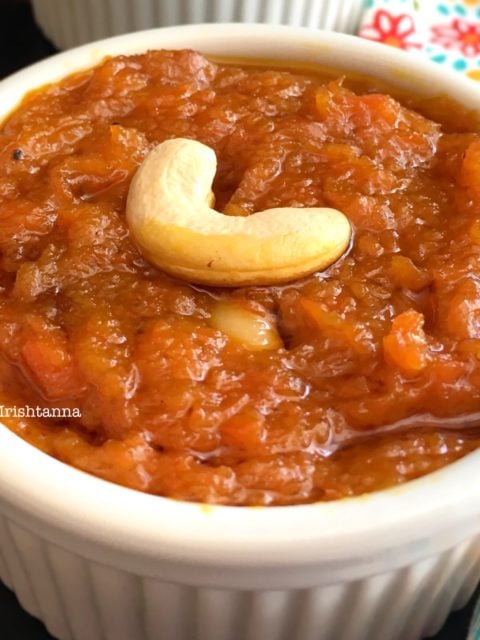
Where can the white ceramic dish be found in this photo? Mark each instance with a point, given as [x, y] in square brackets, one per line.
[97, 561]
[69, 23]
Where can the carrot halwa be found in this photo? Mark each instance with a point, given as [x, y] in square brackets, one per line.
[372, 376]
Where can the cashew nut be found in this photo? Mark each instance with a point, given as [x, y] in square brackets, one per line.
[171, 219]
[253, 331]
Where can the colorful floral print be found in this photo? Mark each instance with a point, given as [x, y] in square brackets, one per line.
[448, 31]
[395, 30]
[459, 34]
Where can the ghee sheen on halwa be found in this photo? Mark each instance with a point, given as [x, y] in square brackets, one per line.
[374, 376]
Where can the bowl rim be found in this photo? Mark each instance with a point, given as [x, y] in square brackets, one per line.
[390, 527]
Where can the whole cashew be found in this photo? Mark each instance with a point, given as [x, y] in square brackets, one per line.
[171, 219]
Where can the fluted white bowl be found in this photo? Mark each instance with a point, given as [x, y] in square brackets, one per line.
[96, 561]
[69, 23]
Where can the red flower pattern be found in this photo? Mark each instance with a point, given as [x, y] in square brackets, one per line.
[391, 29]
[458, 34]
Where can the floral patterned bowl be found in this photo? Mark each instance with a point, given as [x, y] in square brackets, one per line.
[447, 32]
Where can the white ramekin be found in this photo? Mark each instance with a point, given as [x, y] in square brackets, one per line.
[97, 561]
[69, 23]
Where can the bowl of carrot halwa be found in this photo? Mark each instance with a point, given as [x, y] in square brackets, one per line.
[239, 337]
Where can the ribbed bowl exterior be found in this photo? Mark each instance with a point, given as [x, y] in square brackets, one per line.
[82, 600]
[69, 23]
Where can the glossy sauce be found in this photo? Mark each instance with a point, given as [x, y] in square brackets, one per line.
[372, 376]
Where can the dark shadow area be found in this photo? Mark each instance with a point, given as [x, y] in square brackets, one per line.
[14, 623]
[21, 42]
